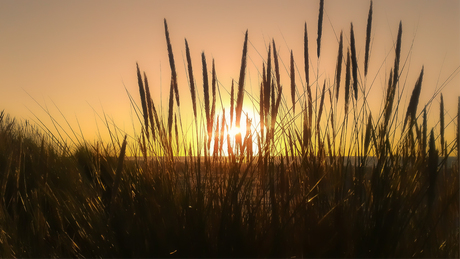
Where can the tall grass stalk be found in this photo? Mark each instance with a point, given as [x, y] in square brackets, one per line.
[368, 39]
[412, 107]
[206, 100]
[240, 93]
[354, 62]
[338, 67]
[347, 81]
[191, 79]
[441, 127]
[149, 106]
[320, 26]
[172, 64]
[293, 87]
[143, 98]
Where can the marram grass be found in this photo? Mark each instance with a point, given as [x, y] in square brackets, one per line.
[316, 183]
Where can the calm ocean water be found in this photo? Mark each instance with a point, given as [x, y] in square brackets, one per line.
[370, 161]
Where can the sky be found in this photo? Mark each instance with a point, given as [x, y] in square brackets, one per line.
[75, 59]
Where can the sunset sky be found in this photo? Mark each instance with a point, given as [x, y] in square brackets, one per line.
[79, 55]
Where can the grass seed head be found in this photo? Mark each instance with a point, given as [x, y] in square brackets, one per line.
[320, 26]
[412, 108]
[389, 99]
[172, 64]
[149, 106]
[144, 105]
[347, 81]
[338, 68]
[213, 88]
[267, 85]
[368, 39]
[354, 62]
[277, 69]
[192, 81]
[397, 56]
[240, 94]
[206, 98]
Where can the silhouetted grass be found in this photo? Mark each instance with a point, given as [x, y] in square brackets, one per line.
[352, 184]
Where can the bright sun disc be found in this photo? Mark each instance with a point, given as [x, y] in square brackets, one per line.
[235, 130]
[231, 131]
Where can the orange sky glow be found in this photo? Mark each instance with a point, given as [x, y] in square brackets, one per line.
[77, 57]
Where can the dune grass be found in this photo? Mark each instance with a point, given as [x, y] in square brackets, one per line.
[320, 184]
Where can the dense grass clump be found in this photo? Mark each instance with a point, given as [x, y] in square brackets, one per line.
[316, 183]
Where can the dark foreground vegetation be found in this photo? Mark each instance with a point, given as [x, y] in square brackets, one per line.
[307, 190]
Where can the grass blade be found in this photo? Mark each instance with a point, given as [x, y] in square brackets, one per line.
[367, 138]
[116, 182]
[321, 104]
[441, 130]
[305, 53]
[432, 168]
[232, 101]
[213, 91]
[261, 107]
[222, 132]
[292, 83]
[424, 131]
[176, 131]
[276, 105]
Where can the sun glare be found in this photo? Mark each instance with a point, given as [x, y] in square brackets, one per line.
[235, 130]
[231, 130]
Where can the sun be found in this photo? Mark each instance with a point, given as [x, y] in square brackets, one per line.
[247, 131]
[234, 130]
